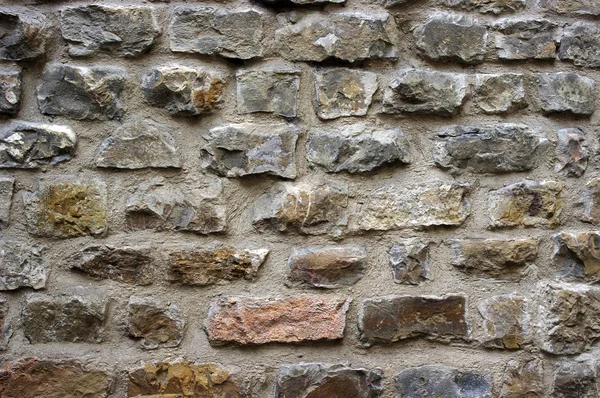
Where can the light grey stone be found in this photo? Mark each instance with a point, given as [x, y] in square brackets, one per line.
[273, 91]
[6, 194]
[521, 39]
[499, 93]
[566, 92]
[409, 260]
[486, 6]
[22, 265]
[572, 7]
[5, 328]
[571, 153]
[344, 92]
[441, 381]
[11, 82]
[580, 44]
[25, 34]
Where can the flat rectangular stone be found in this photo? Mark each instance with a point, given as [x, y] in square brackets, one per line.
[438, 381]
[566, 92]
[268, 90]
[505, 322]
[522, 39]
[580, 44]
[343, 92]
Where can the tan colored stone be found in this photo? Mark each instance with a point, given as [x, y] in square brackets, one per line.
[505, 322]
[154, 323]
[523, 378]
[577, 255]
[591, 202]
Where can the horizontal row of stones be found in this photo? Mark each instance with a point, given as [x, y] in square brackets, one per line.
[242, 34]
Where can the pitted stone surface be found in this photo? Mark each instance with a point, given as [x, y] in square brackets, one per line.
[505, 322]
[344, 92]
[571, 153]
[566, 92]
[22, 265]
[518, 39]
[25, 34]
[270, 90]
[11, 82]
[157, 325]
[442, 381]
[409, 260]
[500, 93]
[486, 6]
[581, 44]
[7, 185]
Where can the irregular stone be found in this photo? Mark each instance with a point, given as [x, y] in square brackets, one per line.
[183, 379]
[82, 93]
[31, 145]
[357, 148]
[394, 3]
[156, 324]
[571, 153]
[505, 322]
[68, 319]
[591, 202]
[5, 330]
[327, 266]
[22, 265]
[523, 378]
[52, 378]
[6, 193]
[521, 39]
[409, 260]
[499, 93]
[313, 209]
[203, 267]
[342, 36]
[303, 2]
[25, 34]
[66, 208]
[572, 379]
[11, 82]
[486, 6]
[495, 258]
[580, 44]
[215, 30]
[566, 92]
[383, 320]
[415, 206]
[441, 381]
[138, 145]
[183, 91]
[272, 91]
[344, 92]
[528, 203]
[577, 7]
[237, 150]
[124, 264]
[451, 37]
[251, 320]
[118, 31]
[577, 255]
[307, 380]
[498, 148]
[156, 205]
[425, 92]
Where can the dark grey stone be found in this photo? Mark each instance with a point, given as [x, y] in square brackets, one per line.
[573, 379]
[22, 265]
[518, 39]
[409, 260]
[580, 44]
[11, 82]
[500, 93]
[344, 92]
[571, 153]
[25, 34]
[273, 91]
[441, 381]
[566, 92]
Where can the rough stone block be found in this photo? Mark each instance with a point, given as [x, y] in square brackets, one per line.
[344, 92]
[5, 330]
[573, 379]
[486, 6]
[576, 255]
[25, 34]
[272, 91]
[11, 82]
[441, 381]
[156, 324]
[505, 322]
[591, 202]
[571, 153]
[409, 260]
[522, 39]
[566, 92]
[22, 265]
[523, 378]
[499, 93]
[7, 185]
[302, 2]
[577, 7]
[580, 44]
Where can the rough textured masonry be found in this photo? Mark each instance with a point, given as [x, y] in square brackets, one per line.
[300, 199]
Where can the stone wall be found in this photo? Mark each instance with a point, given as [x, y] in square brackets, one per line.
[299, 199]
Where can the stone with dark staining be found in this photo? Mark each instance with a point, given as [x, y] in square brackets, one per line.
[22, 265]
[486, 6]
[523, 39]
[498, 148]
[82, 93]
[425, 92]
[505, 322]
[26, 145]
[384, 320]
[452, 37]
[312, 380]
[441, 381]
[357, 148]
[215, 30]
[571, 153]
[566, 92]
[157, 325]
[237, 150]
[523, 378]
[301, 318]
[591, 202]
[409, 260]
[25, 34]
[326, 266]
[574, 379]
[7, 185]
[499, 93]
[572, 7]
[270, 90]
[11, 82]
[580, 44]
[117, 31]
[341, 36]
[343, 92]
[528, 203]
[576, 256]
[5, 330]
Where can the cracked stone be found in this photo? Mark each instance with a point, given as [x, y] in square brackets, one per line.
[500, 93]
[518, 39]
[580, 44]
[578, 7]
[22, 265]
[486, 6]
[441, 381]
[25, 34]
[409, 260]
[272, 91]
[571, 153]
[11, 82]
[566, 92]
[505, 322]
[157, 325]
[344, 92]
[577, 255]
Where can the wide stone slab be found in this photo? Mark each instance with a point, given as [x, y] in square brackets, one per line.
[25, 34]
[486, 6]
[343, 92]
[575, 379]
[442, 381]
[11, 86]
[578, 7]
[22, 265]
[269, 90]
[157, 325]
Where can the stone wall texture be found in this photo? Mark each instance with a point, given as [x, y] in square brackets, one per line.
[300, 198]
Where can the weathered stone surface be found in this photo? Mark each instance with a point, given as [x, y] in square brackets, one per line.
[123, 264]
[500, 93]
[505, 322]
[213, 30]
[11, 82]
[183, 91]
[577, 255]
[24, 36]
[118, 31]
[577, 7]
[384, 320]
[573, 379]
[566, 92]
[312, 209]
[409, 260]
[451, 37]
[138, 145]
[415, 206]
[357, 148]
[523, 378]
[66, 208]
[7, 185]
[272, 91]
[591, 202]
[78, 92]
[73, 319]
[156, 324]
[236, 150]
[30, 145]
[342, 36]
[202, 267]
[495, 258]
[441, 381]
[528, 203]
[521, 39]
[498, 148]
[5, 329]
[580, 44]
[425, 92]
[183, 379]
[327, 266]
[250, 320]
[49, 378]
[157, 205]
[303, 2]
[344, 92]
[486, 6]
[571, 153]
[22, 265]
[311, 380]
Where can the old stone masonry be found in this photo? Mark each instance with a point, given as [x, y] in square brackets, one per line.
[300, 199]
